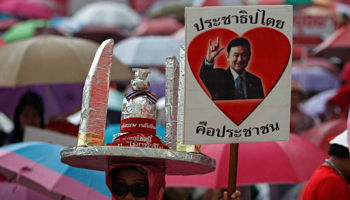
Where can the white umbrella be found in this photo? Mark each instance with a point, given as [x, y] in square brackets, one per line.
[147, 51]
[317, 103]
[107, 13]
[315, 79]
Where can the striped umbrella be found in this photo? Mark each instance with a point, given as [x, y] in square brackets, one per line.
[37, 165]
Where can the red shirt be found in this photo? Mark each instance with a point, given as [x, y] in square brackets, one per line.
[325, 184]
[342, 98]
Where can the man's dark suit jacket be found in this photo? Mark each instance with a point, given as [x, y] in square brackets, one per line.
[221, 85]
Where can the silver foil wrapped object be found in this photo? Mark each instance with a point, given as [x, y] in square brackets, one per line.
[181, 96]
[139, 106]
[175, 162]
[139, 83]
[171, 101]
[174, 103]
[95, 97]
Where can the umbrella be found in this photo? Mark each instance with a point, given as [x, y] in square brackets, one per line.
[323, 63]
[320, 134]
[174, 8]
[135, 51]
[157, 26]
[102, 33]
[7, 23]
[297, 51]
[37, 165]
[58, 99]
[317, 10]
[337, 45]
[29, 28]
[48, 59]
[107, 13]
[316, 104]
[315, 79]
[26, 9]
[278, 2]
[180, 34]
[12, 191]
[290, 161]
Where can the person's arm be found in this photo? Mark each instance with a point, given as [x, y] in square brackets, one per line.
[213, 51]
[333, 109]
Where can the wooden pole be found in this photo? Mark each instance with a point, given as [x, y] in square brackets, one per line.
[232, 173]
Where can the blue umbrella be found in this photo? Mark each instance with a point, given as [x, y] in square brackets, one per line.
[38, 166]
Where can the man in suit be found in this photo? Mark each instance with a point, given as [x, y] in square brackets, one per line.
[234, 82]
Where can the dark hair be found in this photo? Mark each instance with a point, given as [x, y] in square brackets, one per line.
[338, 151]
[29, 98]
[238, 42]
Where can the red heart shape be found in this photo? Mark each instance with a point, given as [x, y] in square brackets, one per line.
[270, 52]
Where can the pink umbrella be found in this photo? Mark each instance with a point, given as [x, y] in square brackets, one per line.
[290, 161]
[7, 23]
[320, 134]
[338, 45]
[13, 191]
[38, 165]
[27, 9]
[102, 33]
[158, 26]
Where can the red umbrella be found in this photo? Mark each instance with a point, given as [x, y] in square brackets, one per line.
[158, 26]
[102, 33]
[290, 161]
[27, 9]
[337, 45]
[320, 134]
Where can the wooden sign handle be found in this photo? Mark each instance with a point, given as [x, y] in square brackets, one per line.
[232, 173]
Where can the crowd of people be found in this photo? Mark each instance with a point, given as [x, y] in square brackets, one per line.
[137, 181]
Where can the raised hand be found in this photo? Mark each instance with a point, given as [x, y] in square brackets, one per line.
[213, 50]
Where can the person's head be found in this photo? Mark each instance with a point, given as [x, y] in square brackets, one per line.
[29, 112]
[238, 54]
[135, 181]
[339, 146]
[297, 94]
[129, 182]
[339, 154]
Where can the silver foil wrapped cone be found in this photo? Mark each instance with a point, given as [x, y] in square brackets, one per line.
[171, 101]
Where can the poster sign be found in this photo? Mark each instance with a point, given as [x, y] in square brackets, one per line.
[44, 135]
[238, 74]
